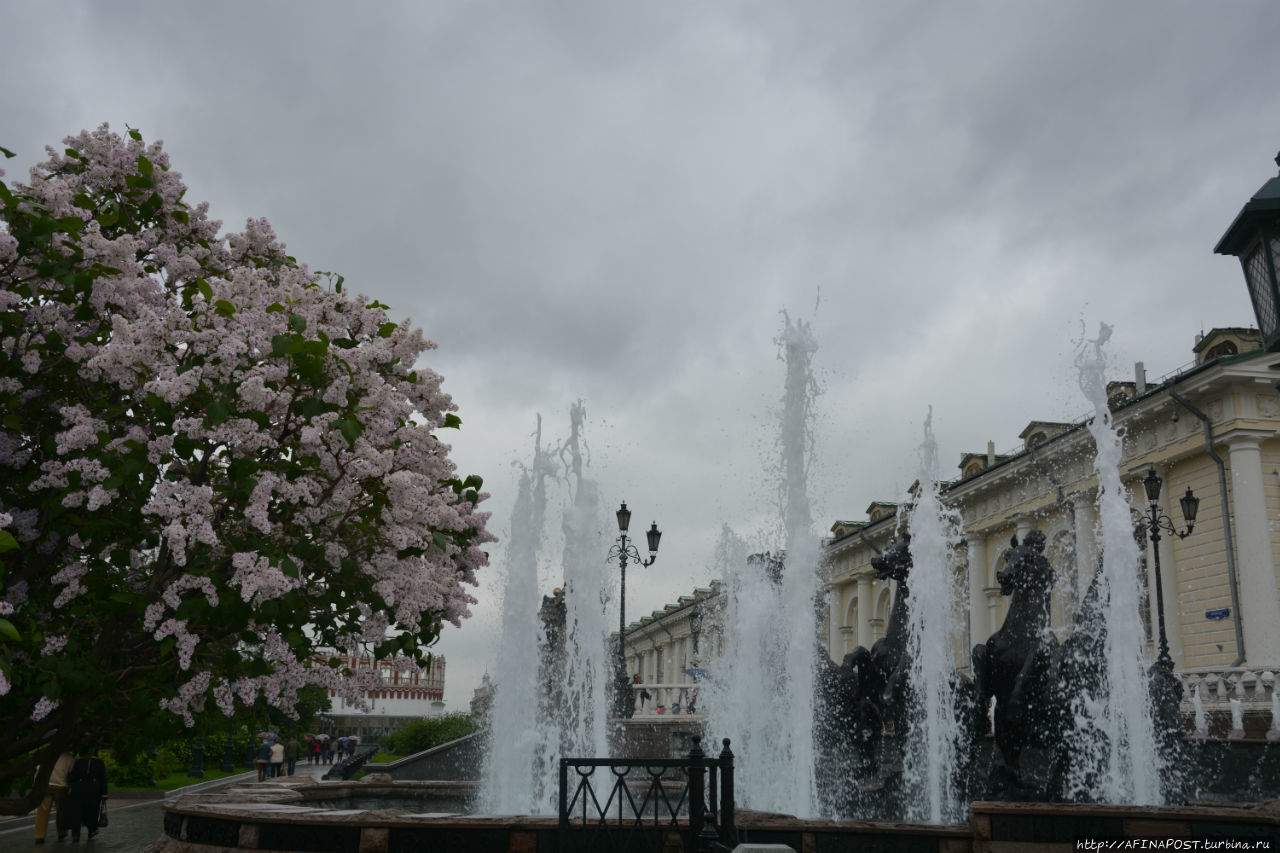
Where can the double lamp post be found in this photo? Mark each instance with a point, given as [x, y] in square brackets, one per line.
[624, 551]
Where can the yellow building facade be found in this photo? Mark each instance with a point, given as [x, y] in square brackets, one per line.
[1214, 427]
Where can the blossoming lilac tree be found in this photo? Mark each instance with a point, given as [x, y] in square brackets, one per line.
[214, 464]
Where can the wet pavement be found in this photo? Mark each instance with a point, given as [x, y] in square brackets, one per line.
[135, 824]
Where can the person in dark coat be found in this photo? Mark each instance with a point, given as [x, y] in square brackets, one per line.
[88, 780]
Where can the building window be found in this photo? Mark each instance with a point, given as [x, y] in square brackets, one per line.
[1223, 349]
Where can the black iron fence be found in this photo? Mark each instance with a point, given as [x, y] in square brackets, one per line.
[642, 804]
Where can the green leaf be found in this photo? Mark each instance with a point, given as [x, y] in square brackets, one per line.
[241, 472]
[452, 421]
[385, 330]
[7, 542]
[205, 290]
[181, 216]
[144, 165]
[298, 323]
[133, 134]
[218, 413]
[6, 152]
[310, 407]
[274, 307]
[8, 631]
[184, 445]
[442, 541]
[225, 308]
[280, 344]
[350, 429]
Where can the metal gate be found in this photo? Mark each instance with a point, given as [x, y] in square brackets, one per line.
[637, 805]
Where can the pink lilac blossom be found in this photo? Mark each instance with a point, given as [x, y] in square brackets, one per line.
[370, 496]
[187, 642]
[70, 577]
[43, 708]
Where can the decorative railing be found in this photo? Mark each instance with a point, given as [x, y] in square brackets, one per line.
[1218, 685]
[639, 802]
[666, 699]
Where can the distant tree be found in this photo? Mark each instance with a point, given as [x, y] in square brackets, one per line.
[429, 732]
[215, 465]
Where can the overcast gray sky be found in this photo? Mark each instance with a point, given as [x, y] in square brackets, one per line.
[614, 201]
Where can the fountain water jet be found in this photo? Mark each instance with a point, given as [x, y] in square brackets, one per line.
[934, 747]
[549, 702]
[583, 717]
[763, 685]
[1116, 759]
[518, 758]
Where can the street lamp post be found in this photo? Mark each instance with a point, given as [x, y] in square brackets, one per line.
[229, 760]
[1156, 522]
[623, 551]
[1165, 688]
[197, 758]
[695, 628]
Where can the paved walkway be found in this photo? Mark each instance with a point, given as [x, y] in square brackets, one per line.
[135, 824]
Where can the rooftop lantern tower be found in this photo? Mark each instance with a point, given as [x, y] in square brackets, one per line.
[1254, 237]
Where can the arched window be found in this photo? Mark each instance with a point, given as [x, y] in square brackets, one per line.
[1220, 350]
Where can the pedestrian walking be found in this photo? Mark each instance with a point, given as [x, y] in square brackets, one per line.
[277, 759]
[292, 749]
[87, 797]
[263, 759]
[55, 798]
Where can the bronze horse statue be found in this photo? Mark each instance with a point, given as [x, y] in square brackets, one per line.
[1017, 667]
[870, 684]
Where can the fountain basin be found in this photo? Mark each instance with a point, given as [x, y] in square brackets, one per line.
[335, 817]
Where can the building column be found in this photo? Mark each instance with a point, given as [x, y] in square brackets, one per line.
[835, 618]
[979, 625]
[848, 639]
[1086, 511]
[865, 611]
[1259, 602]
[993, 609]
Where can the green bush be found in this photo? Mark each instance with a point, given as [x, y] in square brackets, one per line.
[428, 732]
[167, 762]
[136, 771]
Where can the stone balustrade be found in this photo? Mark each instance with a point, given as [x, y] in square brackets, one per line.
[672, 698]
[1254, 687]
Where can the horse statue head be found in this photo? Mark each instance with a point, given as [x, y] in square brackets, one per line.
[895, 562]
[1026, 568]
